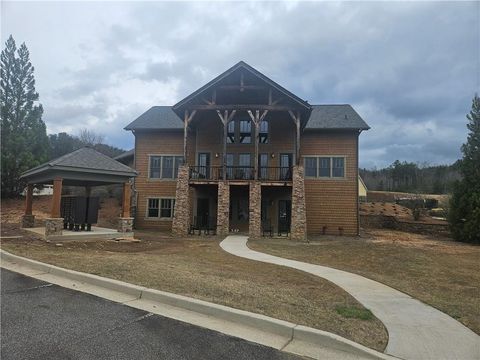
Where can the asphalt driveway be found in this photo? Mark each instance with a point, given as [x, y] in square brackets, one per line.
[44, 321]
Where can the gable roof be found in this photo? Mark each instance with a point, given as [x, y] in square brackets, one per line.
[327, 117]
[242, 65]
[125, 155]
[335, 117]
[157, 117]
[84, 160]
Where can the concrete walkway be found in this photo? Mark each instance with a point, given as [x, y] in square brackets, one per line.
[416, 330]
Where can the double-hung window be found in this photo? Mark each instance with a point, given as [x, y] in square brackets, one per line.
[164, 166]
[245, 131]
[263, 132]
[159, 208]
[324, 166]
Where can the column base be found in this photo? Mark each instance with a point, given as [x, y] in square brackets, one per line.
[53, 227]
[125, 225]
[28, 221]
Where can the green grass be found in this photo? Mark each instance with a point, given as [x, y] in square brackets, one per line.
[354, 312]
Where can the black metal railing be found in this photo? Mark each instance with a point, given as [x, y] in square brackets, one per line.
[214, 173]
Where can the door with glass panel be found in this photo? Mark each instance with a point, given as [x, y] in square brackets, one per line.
[229, 165]
[244, 166]
[286, 163]
[203, 165]
[263, 166]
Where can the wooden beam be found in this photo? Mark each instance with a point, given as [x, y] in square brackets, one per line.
[241, 88]
[126, 200]
[296, 119]
[186, 122]
[244, 107]
[241, 82]
[56, 198]
[29, 199]
[225, 118]
[256, 119]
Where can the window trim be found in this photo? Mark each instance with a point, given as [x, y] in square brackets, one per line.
[174, 178]
[159, 217]
[331, 177]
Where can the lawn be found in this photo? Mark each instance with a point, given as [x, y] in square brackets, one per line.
[199, 268]
[439, 272]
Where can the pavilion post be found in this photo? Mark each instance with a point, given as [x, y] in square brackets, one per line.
[28, 219]
[125, 224]
[57, 197]
[54, 224]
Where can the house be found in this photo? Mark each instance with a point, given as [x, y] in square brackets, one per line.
[242, 153]
[362, 190]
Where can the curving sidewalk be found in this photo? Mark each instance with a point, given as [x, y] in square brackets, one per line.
[416, 330]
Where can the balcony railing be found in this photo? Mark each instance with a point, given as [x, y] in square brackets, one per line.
[215, 173]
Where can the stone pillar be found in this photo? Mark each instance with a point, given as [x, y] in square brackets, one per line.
[53, 227]
[125, 225]
[223, 208]
[181, 216]
[298, 229]
[255, 210]
[28, 220]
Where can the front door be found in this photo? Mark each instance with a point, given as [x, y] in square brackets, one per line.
[203, 209]
[204, 165]
[284, 216]
[286, 163]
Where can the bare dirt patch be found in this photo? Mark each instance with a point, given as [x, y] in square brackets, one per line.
[437, 271]
[199, 268]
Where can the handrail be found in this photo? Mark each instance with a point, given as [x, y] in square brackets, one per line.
[265, 173]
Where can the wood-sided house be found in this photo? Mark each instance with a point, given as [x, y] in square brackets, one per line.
[243, 153]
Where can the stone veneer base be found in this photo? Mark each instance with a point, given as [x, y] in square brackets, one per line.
[28, 221]
[125, 225]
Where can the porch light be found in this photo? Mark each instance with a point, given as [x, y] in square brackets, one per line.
[272, 155]
[217, 155]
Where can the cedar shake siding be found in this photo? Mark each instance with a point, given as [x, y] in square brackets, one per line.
[256, 157]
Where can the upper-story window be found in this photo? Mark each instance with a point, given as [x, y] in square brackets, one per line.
[324, 166]
[231, 132]
[263, 132]
[245, 132]
[164, 166]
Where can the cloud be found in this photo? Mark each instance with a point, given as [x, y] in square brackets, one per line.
[407, 68]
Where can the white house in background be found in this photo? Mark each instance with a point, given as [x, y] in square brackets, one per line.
[362, 190]
[45, 190]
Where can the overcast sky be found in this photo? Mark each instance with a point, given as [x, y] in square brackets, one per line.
[409, 69]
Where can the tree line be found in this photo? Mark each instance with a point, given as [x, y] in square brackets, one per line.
[413, 177]
[24, 140]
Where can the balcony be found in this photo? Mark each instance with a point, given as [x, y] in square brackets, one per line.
[239, 173]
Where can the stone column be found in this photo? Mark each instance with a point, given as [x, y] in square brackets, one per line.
[255, 210]
[28, 220]
[54, 224]
[298, 229]
[181, 216]
[125, 223]
[223, 208]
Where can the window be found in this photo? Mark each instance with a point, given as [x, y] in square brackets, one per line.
[155, 162]
[263, 133]
[160, 208]
[245, 132]
[324, 167]
[152, 207]
[167, 208]
[165, 167]
[231, 132]
[338, 168]
[244, 169]
[311, 166]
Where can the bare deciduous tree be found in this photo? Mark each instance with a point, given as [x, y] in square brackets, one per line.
[90, 137]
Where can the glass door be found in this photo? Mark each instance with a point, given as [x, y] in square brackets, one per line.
[286, 163]
[263, 166]
[204, 165]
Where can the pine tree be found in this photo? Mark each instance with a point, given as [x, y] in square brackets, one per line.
[23, 132]
[464, 214]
